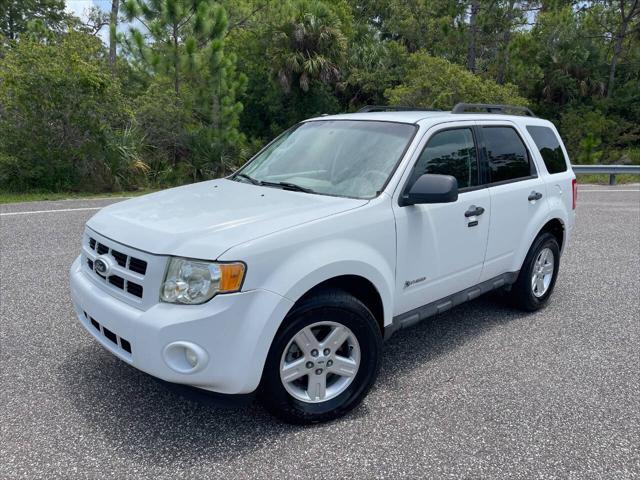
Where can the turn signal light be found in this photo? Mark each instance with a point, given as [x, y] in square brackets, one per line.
[231, 276]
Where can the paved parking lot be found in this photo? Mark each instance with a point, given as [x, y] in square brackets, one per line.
[482, 391]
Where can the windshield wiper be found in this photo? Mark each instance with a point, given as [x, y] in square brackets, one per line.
[283, 185]
[288, 186]
[247, 177]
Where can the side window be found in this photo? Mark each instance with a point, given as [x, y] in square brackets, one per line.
[450, 152]
[549, 147]
[508, 157]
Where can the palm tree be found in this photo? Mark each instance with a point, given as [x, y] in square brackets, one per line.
[309, 47]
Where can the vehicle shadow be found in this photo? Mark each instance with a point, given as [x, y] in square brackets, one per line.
[140, 416]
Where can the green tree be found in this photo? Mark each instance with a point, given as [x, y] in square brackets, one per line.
[435, 82]
[183, 43]
[17, 16]
[623, 21]
[61, 116]
[269, 106]
[308, 47]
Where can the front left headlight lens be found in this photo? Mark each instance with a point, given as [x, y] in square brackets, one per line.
[192, 282]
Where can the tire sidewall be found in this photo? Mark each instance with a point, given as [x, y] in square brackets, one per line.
[353, 315]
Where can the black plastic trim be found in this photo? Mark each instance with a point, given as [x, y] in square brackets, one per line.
[416, 315]
[471, 189]
[395, 108]
[491, 108]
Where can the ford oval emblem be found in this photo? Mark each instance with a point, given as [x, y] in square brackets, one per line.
[102, 266]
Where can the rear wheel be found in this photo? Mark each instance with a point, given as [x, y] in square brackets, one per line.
[323, 360]
[538, 275]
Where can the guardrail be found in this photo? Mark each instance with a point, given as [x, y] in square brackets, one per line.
[611, 170]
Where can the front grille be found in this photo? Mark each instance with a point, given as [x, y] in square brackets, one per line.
[121, 258]
[138, 266]
[127, 262]
[109, 335]
[131, 263]
[134, 289]
[116, 281]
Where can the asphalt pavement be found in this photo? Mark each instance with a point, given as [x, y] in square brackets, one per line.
[483, 391]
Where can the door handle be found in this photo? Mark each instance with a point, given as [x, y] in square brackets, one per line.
[474, 211]
[534, 196]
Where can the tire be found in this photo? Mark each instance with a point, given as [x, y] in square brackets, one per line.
[329, 312]
[530, 295]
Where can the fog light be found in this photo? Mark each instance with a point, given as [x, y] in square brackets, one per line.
[191, 356]
[185, 357]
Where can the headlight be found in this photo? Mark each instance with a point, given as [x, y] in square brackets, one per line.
[196, 281]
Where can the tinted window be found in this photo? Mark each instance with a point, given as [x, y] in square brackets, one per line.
[549, 148]
[451, 152]
[508, 157]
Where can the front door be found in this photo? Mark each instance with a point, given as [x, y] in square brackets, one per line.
[441, 247]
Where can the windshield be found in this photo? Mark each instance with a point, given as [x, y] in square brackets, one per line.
[348, 158]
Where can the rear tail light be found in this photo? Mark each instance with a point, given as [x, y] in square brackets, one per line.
[574, 187]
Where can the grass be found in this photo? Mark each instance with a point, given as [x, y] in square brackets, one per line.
[603, 179]
[11, 197]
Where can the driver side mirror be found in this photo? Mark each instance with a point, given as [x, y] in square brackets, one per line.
[431, 188]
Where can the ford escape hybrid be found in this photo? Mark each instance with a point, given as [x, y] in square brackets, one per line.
[284, 278]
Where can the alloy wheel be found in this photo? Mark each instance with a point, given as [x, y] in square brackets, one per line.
[542, 272]
[320, 362]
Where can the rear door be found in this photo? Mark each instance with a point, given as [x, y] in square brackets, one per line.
[561, 179]
[517, 193]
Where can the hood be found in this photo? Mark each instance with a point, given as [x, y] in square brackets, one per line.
[205, 219]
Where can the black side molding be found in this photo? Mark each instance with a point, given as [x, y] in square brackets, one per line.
[416, 315]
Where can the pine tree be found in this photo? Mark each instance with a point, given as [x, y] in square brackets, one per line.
[183, 41]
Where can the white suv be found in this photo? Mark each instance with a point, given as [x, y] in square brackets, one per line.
[284, 278]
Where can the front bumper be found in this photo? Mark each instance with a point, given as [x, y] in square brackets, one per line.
[235, 330]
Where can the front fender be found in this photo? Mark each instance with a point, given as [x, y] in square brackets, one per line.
[359, 242]
[333, 259]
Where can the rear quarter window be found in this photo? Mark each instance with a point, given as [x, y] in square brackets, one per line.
[549, 148]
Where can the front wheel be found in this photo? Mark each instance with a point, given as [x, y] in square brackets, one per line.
[538, 275]
[323, 360]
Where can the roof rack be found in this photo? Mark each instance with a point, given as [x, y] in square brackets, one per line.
[395, 108]
[491, 108]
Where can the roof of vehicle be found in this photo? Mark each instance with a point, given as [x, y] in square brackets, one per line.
[423, 117]
[410, 116]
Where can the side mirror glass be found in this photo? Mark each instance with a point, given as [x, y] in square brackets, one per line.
[431, 188]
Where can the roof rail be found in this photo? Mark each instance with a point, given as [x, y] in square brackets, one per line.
[491, 108]
[395, 108]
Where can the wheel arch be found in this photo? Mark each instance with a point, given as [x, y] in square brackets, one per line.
[552, 224]
[358, 286]
[555, 227]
